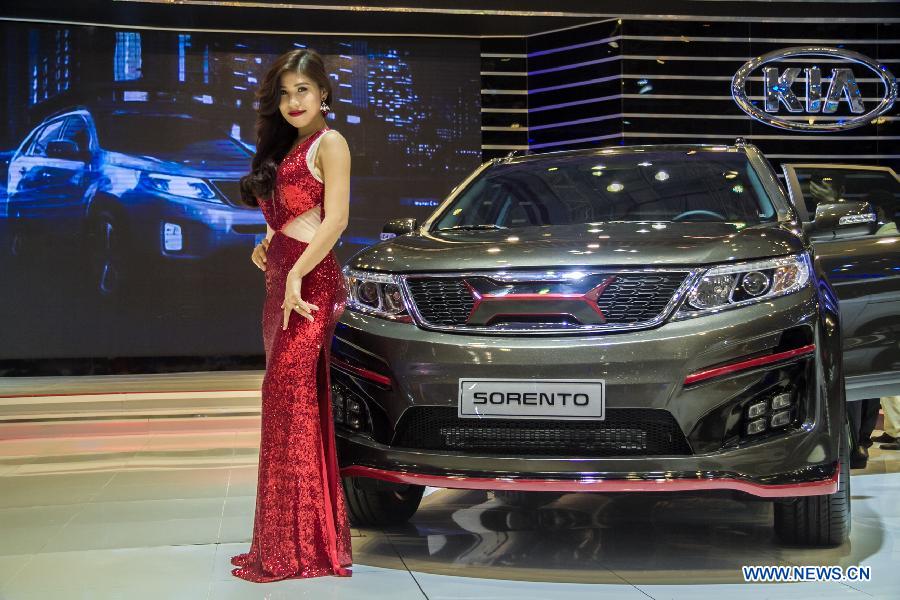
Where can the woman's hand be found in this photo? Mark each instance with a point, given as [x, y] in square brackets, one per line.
[259, 254]
[293, 301]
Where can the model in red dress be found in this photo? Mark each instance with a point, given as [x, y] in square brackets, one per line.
[301, 527]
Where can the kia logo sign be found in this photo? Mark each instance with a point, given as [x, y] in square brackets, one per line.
[780, 89]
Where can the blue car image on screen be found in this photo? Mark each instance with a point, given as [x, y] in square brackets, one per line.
[131, 191]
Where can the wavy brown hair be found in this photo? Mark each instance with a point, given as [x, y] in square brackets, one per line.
[274, 135]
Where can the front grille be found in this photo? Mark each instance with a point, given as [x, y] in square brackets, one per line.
[624, 432]
[230, 190]
[441, 301]
[631, 298]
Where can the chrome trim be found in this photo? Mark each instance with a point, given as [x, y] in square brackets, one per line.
[778, 90]
[523, 275]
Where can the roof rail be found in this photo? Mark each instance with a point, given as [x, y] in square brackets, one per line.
[514, 154]
[62, 111]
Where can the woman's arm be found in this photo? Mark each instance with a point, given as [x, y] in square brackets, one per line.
[334, 155]
[269, 232]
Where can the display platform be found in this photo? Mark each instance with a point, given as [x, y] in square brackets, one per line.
[98, 505]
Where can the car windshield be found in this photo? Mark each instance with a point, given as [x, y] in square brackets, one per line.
[683, 185]
[178, 138]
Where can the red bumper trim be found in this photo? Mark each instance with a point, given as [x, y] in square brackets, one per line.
[748, 364]
[808, 488]
[364, 373]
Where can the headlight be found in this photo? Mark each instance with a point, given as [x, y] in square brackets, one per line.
[176, 185]
[376, 294]
[745, 283]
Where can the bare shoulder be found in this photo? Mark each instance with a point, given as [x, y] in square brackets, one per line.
[333, 143]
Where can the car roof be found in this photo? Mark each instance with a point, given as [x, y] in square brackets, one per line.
[118, 110]
[618, 150]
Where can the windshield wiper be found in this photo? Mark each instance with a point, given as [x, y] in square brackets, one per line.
[472, 227]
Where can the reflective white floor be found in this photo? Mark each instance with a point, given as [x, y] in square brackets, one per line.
[155, 507]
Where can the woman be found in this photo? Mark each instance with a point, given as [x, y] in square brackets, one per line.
[301, 179]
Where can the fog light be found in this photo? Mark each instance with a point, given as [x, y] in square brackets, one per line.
[354, 414]
[781, 401]
[337, 404]
[172, 239]
[757, 426]
[756, 410]
[780, 419]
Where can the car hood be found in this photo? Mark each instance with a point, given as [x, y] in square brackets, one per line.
[597, 244]
[223, 168]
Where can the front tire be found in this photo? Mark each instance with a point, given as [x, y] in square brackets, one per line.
[371, 505]
[819, 520]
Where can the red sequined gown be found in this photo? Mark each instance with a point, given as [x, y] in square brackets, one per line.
[300, 527]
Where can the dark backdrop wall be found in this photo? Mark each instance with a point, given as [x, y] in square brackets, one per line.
[621, 81]
[120, 228]
[176, 102]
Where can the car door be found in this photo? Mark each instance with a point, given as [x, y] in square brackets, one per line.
[864, 268]
[47, 189]
[65, 206]
[28, 176]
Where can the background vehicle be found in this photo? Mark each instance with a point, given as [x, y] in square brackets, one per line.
[131, 192]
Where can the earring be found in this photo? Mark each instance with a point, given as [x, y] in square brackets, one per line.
[325, 108]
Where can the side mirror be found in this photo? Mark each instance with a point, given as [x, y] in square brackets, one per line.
[397, 227]
[843, 219]
[66, 149]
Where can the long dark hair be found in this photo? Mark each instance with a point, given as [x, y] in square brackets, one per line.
[274, 135]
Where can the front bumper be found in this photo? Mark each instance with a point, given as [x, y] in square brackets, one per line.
[643, 370]
[814, 483]
[205, 230]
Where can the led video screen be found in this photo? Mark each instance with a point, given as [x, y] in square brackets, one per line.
[121, 229]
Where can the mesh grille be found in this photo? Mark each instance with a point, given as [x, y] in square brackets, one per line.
[631, 298]
[625, 432]
[441, 301]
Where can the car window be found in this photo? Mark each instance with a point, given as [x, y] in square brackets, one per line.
[47, 135]
[77, 131]
[827, 185]
[177, 138]
[586, 188]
